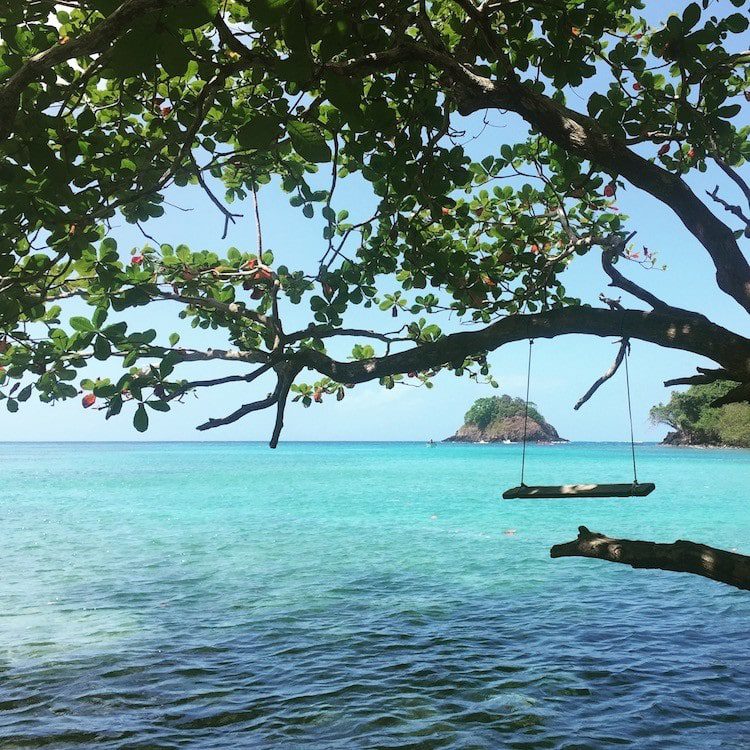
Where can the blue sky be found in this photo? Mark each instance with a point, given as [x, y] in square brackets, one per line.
[563, 367]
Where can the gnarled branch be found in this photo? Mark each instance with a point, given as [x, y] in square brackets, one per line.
[621, 354]
[681, 556]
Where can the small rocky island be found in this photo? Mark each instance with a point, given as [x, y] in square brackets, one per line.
[695, 421]
[499, 419]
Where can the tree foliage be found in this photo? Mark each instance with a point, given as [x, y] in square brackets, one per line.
[692, 414]
[105, 105]
[486, 410]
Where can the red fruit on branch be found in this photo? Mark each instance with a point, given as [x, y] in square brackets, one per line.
[637, 86]
[318, 396]
[257, 294]
[609, 191]
[250, 264]
[136, 260]
[88, 400]
[664, 149]
[166, 110]
[691, 153]
[535, 248]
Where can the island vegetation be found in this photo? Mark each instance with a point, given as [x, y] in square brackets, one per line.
[504, 419]
[696, 421]
[109, 107]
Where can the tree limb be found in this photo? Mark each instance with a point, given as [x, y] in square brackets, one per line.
[704, 377]
[96, 40]
[623, 350]
[696, 335]
[682, 556]
[581, 135]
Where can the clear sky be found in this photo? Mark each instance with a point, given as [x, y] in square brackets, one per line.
[563, 367]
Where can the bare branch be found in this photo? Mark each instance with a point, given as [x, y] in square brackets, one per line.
[622, 282]
[192, 384]
[732, 209]
[735, 176]
[704, 377]
[623, 350]
[243, 411]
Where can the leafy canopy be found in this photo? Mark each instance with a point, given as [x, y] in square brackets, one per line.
[692, 413]
[107, 107]
[484, 411]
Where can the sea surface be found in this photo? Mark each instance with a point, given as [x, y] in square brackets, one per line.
[362, 595]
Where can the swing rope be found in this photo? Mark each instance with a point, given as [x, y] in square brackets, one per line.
[526, 412]
[630, 413]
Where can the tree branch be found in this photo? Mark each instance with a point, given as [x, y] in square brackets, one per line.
[624, 346]
[580, 135]
[681, 557]
[696, 335]
[622, 282]
[704, 377]
[96, 40]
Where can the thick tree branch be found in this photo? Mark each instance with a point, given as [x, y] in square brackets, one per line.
[581, 135]
[696, 335]
[682, 556]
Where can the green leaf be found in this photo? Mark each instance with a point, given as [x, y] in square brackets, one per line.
[344, 93]
[736, 23]
[102, 349]
[134, 52]
[691, 15]
[268, 11]
[259, 132]
[140, 419]
[197, 13]
[308, 141]
[173, 55]
[82, 324]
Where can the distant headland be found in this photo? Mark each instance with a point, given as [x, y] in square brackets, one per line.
[500, 419]
[695, 421]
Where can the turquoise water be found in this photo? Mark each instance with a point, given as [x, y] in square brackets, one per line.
[362, 596]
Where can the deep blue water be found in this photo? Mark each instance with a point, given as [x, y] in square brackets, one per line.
[362, 596]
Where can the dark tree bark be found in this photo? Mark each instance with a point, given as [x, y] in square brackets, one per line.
[681, 556]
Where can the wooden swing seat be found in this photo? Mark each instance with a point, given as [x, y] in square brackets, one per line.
[571, 491]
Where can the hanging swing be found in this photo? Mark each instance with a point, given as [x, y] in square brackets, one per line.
[634, 489]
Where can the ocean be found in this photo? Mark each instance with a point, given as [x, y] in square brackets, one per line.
[362, 595]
